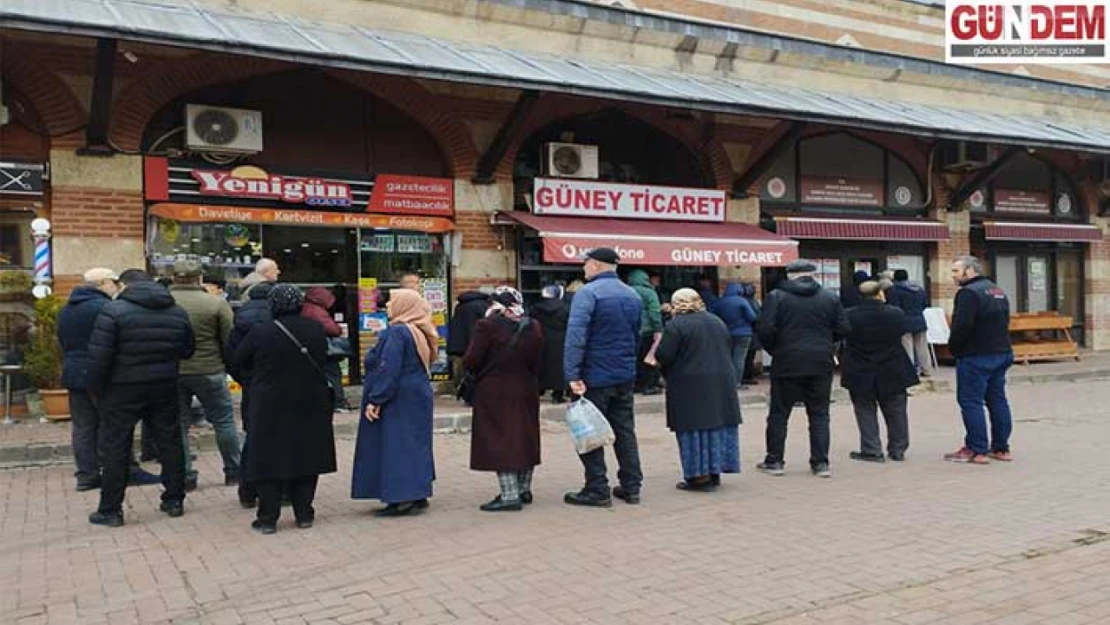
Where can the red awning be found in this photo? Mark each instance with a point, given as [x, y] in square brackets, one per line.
[1017, 231]
[645, 242]
[861, 229]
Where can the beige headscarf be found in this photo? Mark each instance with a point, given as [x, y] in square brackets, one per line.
[686, 301]
[408, 308]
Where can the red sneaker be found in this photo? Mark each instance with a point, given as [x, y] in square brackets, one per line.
[967, 456]
[1002, 456]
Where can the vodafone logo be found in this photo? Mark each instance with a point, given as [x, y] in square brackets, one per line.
[1026, 31]
[571, 251]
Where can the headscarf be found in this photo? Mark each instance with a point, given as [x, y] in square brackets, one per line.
[554, 291]
[686, 301]
[407, 307]
[506, 299]
[285, 300]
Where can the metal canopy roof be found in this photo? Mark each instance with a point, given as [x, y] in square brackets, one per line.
[271, 35]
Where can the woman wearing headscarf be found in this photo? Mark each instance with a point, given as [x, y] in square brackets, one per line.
[505, 356]
[552, 313]
[703, 409]
[289, 424]
[393, 453]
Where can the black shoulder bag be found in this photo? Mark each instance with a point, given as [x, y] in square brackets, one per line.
[468, 383]
[304, 350]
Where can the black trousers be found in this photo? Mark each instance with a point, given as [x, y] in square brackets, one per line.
[616, 403]
[247, 490]
[815, 392]
[302, 491]
[647, 377]
[121, 408]
[897, 423]
[749, 363]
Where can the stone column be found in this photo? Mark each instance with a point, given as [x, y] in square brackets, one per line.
[488, 253]
[942, 292]
[745, 211]
[1097, 290]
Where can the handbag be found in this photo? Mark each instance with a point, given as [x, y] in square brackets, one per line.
[468, 382]
[304, 350]
[338, 347]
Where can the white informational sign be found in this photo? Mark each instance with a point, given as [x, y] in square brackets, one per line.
[589, 198]
[936, 331]
[914, 266]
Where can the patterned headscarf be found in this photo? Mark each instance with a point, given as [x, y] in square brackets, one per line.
[506, 299]
[686, 301]
[285, 300]
[408, 308]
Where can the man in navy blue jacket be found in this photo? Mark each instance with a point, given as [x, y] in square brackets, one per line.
[600, 364]
[913, 300]
[740, 318]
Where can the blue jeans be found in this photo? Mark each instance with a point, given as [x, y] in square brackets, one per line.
[982, 380]
[212, 392]
[739, 353]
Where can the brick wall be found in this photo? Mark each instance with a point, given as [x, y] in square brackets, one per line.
[477, 233]
[89, 212]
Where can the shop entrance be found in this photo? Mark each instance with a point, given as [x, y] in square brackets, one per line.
[1039, 279]
[838, 261]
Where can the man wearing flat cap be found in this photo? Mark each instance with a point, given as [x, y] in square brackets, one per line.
[800, 327]
[600, 363]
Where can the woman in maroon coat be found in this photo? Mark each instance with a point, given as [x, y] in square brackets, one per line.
[505, 355]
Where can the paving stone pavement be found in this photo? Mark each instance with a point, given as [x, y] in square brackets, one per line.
[908, 544]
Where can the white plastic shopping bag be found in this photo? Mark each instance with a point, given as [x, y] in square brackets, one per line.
[589, 429]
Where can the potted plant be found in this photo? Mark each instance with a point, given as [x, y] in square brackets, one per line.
[14, 284]
[42, 362]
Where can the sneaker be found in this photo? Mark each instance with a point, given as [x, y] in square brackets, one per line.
[141, 477]
[967, 456]
[107, 519]
[862, 457]
[821, 470]
[898, 456]
[629, 497]
[1002, 456]
[588, 499]
[776, 469]
[173, 509]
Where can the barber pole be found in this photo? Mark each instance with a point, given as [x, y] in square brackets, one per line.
[40, 233]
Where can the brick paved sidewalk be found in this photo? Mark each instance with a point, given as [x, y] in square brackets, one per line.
[920, 542]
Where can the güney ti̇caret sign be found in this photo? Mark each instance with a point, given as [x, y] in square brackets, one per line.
[590, 198]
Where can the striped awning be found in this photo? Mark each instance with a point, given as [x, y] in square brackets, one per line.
[861, 229]
[1062, 233]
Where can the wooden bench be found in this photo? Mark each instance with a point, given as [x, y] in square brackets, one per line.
[1035, 337]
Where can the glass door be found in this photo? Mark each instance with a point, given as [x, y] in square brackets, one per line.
[1006, 277]
[1036, 275]
[1069, 290]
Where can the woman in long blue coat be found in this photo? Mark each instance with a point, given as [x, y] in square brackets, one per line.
[393, 453]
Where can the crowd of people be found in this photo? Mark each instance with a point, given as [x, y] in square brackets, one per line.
[137, 351]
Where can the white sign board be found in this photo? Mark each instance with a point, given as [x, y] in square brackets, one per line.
[937, 331]
[589, 198]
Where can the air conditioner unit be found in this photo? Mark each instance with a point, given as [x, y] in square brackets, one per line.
[570, 160]
[220, 129]
[963, 155]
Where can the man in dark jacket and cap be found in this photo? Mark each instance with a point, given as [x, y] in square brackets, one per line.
[851, 296]
[877, 372]
[913, 300]
[800, 327]
[136, 345]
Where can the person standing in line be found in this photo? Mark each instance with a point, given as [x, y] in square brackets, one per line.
[292, 441]
[703, 409]
[393, 451]
[216, 286]
[755, 347]
[505, 434]
[204, 375]
[265, 270]
[801, 325]
[739, 318]
[707, 291]
[255, 312]
[552, 314]
[651, 331]
[877, 372]
[851, 296]
[137, 342]
[599, 364]
[913, 300]
[470, 307]
[75, 327]
[317, 302]
[980, 341]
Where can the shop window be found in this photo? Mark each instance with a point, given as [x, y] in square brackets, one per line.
[225, 250]
[16, 246]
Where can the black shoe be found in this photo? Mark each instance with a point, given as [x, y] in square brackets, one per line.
[399, 509]
[526, 497]
[87, 485]
[629, 497]
[697, 487]
[716, 479]
[304, 524]
[263, 528]
[862, 457]
[421, 504]
[776, 469]
[588, 499]
[231, 480]
[898, 456]
[174, 509]
[107, 519]
[497, 504]
[191, 481]
[821, 470]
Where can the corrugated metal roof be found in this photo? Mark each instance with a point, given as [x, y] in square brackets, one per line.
[278, 36]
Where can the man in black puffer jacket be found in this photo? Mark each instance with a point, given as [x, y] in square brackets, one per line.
[136, 344]
[801, 326]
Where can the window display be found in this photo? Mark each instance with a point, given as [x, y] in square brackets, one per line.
[226, 250]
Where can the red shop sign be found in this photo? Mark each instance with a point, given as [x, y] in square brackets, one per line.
[558, 249]
[589, 198]
[249, 181]
[413, 195]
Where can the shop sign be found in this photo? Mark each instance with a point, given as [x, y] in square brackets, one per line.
[692, 254]
[413, 195]
[841, 192]
[1024, 202]
[250, 182]
[22, 178]
[208, 213]
[589, 198]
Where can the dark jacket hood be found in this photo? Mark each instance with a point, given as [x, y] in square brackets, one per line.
[82, 294]
[733, 290]
[906, 284]
[320, 296]
[148, 295]
[472, 296]
[639, 277]
[803, 287]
